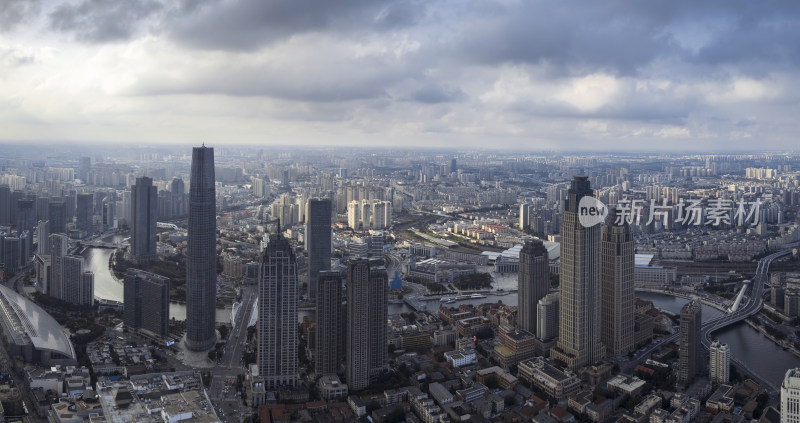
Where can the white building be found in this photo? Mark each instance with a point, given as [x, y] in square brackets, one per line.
[790, 397]
[720, 362]
[461, 358]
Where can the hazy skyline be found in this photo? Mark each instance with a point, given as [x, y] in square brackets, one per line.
[711, 76]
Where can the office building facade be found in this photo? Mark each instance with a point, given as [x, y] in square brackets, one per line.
[533, 281]
[277, 315]
[616, 287]
[201, 253]
[689, 361]
[579, 308]
[146, 301]
[318, 240]
[144, 213]
[329, 306]
[366, 323]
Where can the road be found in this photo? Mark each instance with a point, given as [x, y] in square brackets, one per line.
[223, 384]
[751, 307]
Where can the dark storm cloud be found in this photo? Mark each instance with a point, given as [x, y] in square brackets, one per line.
[16, 12]
[250, 24]
[620, 37]
[99, 21]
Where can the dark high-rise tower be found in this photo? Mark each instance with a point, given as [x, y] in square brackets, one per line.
[579, 307]
[201, 253]
[85, 212]
[57, 215]
[616, 287]
[329, 314]
[318, 240]
[689, 359]
[144, 213]
[366, 323]
[277, 314]
[5, 205]
[533, 282]
[146, 301]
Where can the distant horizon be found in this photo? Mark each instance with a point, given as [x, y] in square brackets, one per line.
[106, 145]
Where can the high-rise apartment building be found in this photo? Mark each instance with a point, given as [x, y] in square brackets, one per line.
[201, 253]
[720, 362]
[366, 323]
[77, 285]
[524, 216]
[547, 317]
[144, 214]
[533, 280]
[329, 316]
[277, 315]
[790, 397]
[579, 308]
[59, 244]
[616, 287]
[43, 237]
[318, 240]
[146, 300]
[689, 347]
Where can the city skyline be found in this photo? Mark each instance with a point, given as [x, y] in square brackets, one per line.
[679, 76]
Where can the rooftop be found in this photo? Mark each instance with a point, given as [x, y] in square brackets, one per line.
[29, 322]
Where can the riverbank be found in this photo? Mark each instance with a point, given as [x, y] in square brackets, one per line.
[781, 344]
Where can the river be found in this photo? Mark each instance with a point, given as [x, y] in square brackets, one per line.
[747, 344]
[107, 288]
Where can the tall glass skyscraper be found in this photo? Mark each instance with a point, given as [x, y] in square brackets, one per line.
[144, 211]
[616, 281]
[201, 254]
[318, 240]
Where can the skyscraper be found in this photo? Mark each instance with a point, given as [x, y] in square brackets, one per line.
[43, 237]
[329, 306]
[318, 240]
[719, 370]
[5, 205]
[85, 212]
[59, 244]
[689, 351]
[366, 323]
[277, 314]
[579, 307]
[26, 215]
[146, 300]
[533, 282]
[547, 317]
[144, 213]
[790, 397]
[201, 253]
[616, 287]
[77, 285]
[57, 214]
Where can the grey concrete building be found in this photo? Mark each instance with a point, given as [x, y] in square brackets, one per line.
[329, 305]
[616, 287]
[533, 281]
[146, 301]
[689, 357]
[366, 323]
[277, 315]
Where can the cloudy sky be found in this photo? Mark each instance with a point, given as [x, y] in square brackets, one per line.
[711, 75]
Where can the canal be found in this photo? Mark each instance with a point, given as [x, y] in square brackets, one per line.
[107, 288]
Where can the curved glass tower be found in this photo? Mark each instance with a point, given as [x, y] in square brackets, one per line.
[201, 254]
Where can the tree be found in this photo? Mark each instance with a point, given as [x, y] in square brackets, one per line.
[223, 332]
